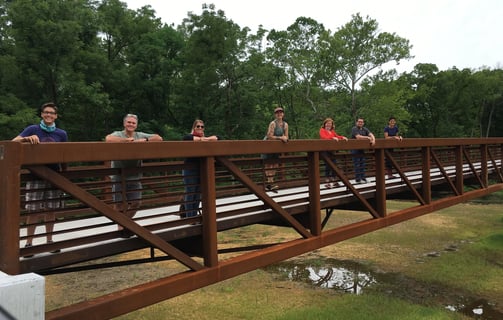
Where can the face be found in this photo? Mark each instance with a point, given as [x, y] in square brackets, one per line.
[392, 122]
[130, 124]
[49, 115]
[279, 114]
[360, 123]
[199, 127]
[329, 125]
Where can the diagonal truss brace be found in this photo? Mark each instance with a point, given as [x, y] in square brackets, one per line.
[67, 186]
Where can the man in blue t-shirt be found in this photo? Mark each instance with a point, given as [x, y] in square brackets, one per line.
[391, 132]
[359, 132]
[45, 131]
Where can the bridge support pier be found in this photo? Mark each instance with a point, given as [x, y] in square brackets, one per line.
[22, 296]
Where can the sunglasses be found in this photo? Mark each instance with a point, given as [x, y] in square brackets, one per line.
[200, 127]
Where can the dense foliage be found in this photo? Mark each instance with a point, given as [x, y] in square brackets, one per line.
[99, 60]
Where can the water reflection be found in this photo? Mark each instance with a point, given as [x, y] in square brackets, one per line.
[348, 278]
[477, 309]
[353, 277]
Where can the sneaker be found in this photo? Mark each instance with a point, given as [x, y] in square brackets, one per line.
[28, 245]
[328, 186]
[53, 251]
[125, 233]
[272, 187]
[358, 181]
[336, 184]
[391, 176]
[364, 180]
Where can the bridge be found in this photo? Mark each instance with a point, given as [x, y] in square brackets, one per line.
[435, 173]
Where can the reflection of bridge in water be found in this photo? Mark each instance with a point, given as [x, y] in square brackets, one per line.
[436, 173]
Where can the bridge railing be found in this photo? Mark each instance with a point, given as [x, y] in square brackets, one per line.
[232, 182]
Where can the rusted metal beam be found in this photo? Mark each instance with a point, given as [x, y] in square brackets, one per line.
[350, 186]
[64, 184]
[314, 193]
[426, 174]
[209, 209]
[380, 198]
[125, 301]
[458, 152]
[10, 155]
[263, 196]
[444, 173]
[297, 207]
[404, 177]
[472, 167]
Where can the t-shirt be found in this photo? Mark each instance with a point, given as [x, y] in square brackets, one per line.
[357, 131]
[391, 131]
[129, 163]
[58, 135]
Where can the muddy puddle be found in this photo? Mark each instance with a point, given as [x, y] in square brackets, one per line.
[355, 278]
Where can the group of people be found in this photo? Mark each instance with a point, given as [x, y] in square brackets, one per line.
[41, 196]
[359, 132]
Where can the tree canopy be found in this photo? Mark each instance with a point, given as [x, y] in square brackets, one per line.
[98, 60]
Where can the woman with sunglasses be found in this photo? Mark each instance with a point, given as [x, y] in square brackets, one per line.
[191, 174]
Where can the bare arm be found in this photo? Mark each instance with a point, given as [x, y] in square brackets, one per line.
[113, 138]
[155, 137]
[210, 138]
[33, 139]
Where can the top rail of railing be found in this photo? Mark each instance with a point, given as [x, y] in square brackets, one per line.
[67, 152]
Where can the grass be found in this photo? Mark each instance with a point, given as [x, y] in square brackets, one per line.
[370, 306]
[467, 238]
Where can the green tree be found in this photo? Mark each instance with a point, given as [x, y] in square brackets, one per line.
[210, 87]
[297, 52]
[357, 49]
[384, 95]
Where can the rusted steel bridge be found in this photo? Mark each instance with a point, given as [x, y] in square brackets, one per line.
[436, 173]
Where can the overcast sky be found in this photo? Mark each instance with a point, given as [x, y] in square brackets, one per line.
[448, 33]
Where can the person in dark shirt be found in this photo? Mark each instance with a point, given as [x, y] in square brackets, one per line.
[37, 190]
[361, 133]
[391, 132]
[191, 174]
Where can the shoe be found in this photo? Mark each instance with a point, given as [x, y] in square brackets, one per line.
[27, 246]
[272, 187]
[125, 233]
[358, 181]
[336, 184]
[53, 251]
[364, 181]
[391, 176]
[328, 186]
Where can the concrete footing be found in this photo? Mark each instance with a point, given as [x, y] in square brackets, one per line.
[22, 297]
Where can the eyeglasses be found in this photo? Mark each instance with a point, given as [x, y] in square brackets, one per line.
[200, 127]
[49, 112]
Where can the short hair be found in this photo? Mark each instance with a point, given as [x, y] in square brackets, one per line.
[391, 118]
[49, 105]
[130, 115]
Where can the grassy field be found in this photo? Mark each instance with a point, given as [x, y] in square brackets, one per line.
[454, 252]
